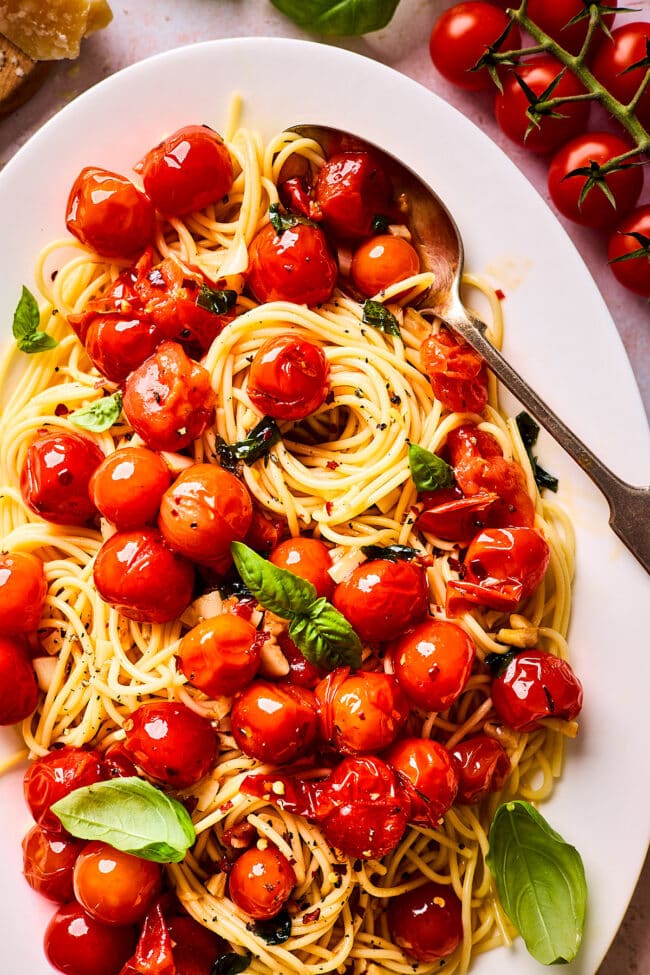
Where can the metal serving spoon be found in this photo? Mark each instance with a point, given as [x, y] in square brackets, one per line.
[438, 241]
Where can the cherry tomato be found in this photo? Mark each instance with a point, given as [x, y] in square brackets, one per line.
[23, 589]
[128, 485]
[116, 345]
[116, 763]
[301, 671]
[261, 882]
[18, 686]
[461, 36]
[295, 265]
[458, 374]
[451, 516]
[137, 573]
[288, 378]
[382, 261]
[115, 887]
[483, 767]
[351, 189]
[536, 685]
[170, 743]
[221, 655]
[465, 443]
[48, 861]
[203, 512]
[274, 722]
[77, 944]
[555, 20]
[154, 951]
[265, 530]
[381, 598]
[360, 712]
[426, 922]
[632, 237]
[107, 213]
[186, 171]
[55, 475]
[56, 774]
[433, 663]
[512, 104]
[195, 947]
[169, 400]
[614, 56]
[429, 773]
[308, 558]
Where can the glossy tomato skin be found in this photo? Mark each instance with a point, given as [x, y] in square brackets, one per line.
[55, 474]
[128, 485]
[612, 58]
[457, 374]
[274, 722]
[429, 773]
[308, 558]
[634, 273]
[536, 685]
[426, 922]
[461, 36]
[483, 767]
[433, 663]
[170, 743]
[18, 686]
[195, 947]
[294, 265]
[381, 598]
[351, 189]
[48, 862]
[142, 578]
[221, 655]
[187, 171]
[116, 345]
[107, 213]
[77, 944]
[301, 671]
[261, 882]
[289, 378]
[169, 400]
[449, 515]
[360, 712]
[23, 588]
[554, 19]
[115, 887]
[382, 261]
[54, 776]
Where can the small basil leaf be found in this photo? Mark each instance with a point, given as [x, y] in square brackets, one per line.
[131, 815]
[429, 472]
[529, 431]
[380, 317]
[231, 963]
[285, 221]
[394, 553]
[219, 302]
[279, 590]
[337, 17]
[257, 444]
[325, 637]
[100, 415]
[540, 880]
[26, 323]
[276, 930]
[380, 224]
[497, 662]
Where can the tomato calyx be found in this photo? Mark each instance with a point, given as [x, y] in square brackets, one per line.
[643, 250]
[494, 58]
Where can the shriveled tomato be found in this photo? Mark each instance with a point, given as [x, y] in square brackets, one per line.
[169, 400]
[351, 190]
[153, 953]
[261, 881]
[295, 264]
[77, 944]
[462, 35]
[433, 663]
[533, 686]
[274, 722]
[115, 887]
[221, 655]
[360, 712]
[128, 485]
[426, 922]
[54, 776]
[381, 261]
[629, 251]
[195, 947]
[458, 374]
[170, 743]
[308, 558]
[18, 686]
[116, 345]
[483, 767]
[555, 20]
[381, 598]
[109, 214]
[465, 443]
[265, 530]
[48, 861]
[620, 64]
[137, 573]
[55, 474]
[429, 773]
[449, 515]
[23, 589]
[289, 378]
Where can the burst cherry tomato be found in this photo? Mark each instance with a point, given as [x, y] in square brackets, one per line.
[288, 378]
[381, 598]
[555, 20]
[429, 773]
[451, 516]
[274, 722]
[351, 189]
[433, 663]
[308, 558]
[168, 400]
[631, 241]
[137, 573]
[295, 265]
[301, 671]
[107, 213]
[261, 882]
[54, 776]
[461, 36]
[18, 686]
[23, 589]
[77, 944]
[536, 685]
[195, 947]
[382, 261]
[360, 712]
[483, 767]
[115, 887]
[221, 655]
[188, 170]
[170, 743]
[55, 475]
[116, 345]
[626, 47]
[48, 862]
[458, 374]
[128, 485]
[426, 922]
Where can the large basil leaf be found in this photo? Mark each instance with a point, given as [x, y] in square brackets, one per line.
[336, 17]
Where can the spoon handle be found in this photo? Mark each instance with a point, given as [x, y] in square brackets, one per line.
[629, 506]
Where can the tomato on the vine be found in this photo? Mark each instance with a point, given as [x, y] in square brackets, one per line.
[360, 712]
[308, 558]
[55, 475]
[18, 686]
[221, 655]
[462, 35]
[629, 251]
[433, 663]
[23, 589]
[351, 190]
[614, 56]
[77, 944]
[260, 882]
[426, 922]
[382, 261]
[288, 378]
[113, 886]
[170, 743]
[382, 598]
[128, 485]
[48, 862]
[293, 264]
[535, 685]
[274, 722]
[555, 17]
[54, 776]
[109, 214]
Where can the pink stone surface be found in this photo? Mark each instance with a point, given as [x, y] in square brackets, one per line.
[142, 28]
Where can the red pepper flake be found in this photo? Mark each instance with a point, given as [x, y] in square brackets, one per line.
[332, 465]
[61, 409]
[226, 806]
[500, 294]
[311, 916]
[329, 507]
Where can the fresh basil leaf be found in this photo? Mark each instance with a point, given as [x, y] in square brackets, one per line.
[337, 17]
[26, 323]
[279, 590]
[100, 415]
[540, 880]
[282, 221]
[276, 930]
[529, 431]
[231, 963]
[257, 444]
[429, 472]
[394, 553]
[325, 637]
[497, 662]
[380, 317]
[131, 815]
[219, 302]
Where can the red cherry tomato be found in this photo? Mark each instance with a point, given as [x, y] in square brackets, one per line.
[351, 189]
[203, 512]
[54, 776]
[137, 573]
[188, 170]
[555, 20]
[301, 671]
[128, 485]
[381, 598]
[115, 887]
[627, 46]
[116, 763]
[274, 722]
[433, 663]
[23, 589]
[264, 531]
[116, 345]
[512, 104]
[426, 922]
[536, 685]
[465, 444]
[55, 475]
[170, 743]
[631, 241]
[261, 882]
[483, 767]
[461, 36]
[48, 861]
[221, 655]
[458, 374]
[428, 772]
[288, 378]
[451, 516]
[169, 400]
[195, 947]
[18, 686]
[107, 213]
[291, 265]
[308, 558]
[382, 261]
[360, 712]
[77, 944]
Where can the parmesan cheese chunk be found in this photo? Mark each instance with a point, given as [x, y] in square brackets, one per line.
[53, 30]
